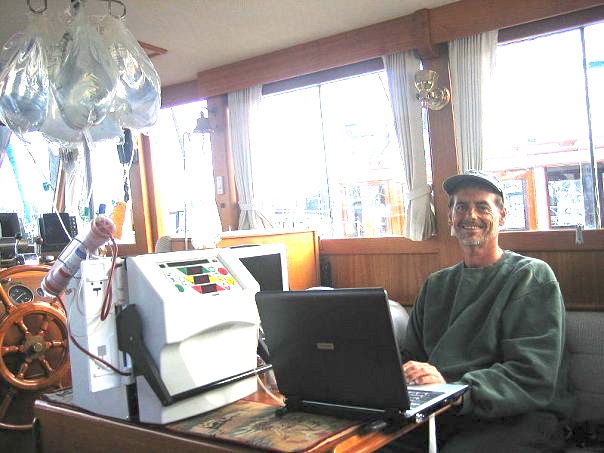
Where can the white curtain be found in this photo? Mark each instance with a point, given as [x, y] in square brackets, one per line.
[5, 134]
[77, 193]
[401, 69]
[471, 65]
[243, 112]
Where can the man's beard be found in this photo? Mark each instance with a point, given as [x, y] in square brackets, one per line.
[472, 241]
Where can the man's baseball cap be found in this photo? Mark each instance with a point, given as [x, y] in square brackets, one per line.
[473, 177]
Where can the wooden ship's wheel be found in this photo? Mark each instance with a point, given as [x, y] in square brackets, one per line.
[33, 337]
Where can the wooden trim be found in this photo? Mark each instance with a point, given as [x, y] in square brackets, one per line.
[554, 24]
[552, 240]
[141, 212]
[448, 22]
[373, 246]
[157, 224]
[338, 50]
[425, 47]
[519, 241]
[469, 17]
[151, 50]
[222, 161]
[315, 78]
[182, 93]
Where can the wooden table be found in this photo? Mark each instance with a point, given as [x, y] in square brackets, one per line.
[62, 427]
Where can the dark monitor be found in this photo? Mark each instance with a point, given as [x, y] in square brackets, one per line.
[267, 263]
[56, 230]
[9, 224]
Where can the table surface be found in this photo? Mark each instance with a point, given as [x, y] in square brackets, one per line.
[62, 427]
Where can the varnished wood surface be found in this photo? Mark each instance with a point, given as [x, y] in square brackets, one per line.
[302, 252]
[401, 275]
[448, 22]
[387, 261]
[62, 428]
[469, 17]
[223, 164]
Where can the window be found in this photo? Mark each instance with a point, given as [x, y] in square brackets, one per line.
[28, 172]
[328, 159]
[549, 129]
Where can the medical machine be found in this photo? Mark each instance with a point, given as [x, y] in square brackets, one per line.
[178, 336]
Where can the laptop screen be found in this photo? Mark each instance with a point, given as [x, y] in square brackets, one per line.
[334, 346]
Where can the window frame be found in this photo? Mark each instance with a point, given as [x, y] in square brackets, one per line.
[332, 75]
[562, 239]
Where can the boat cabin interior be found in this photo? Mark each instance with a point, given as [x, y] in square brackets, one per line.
[322, 128]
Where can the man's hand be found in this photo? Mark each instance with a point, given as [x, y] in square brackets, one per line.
[417, 373]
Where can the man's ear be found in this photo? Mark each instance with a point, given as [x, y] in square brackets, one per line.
[502, 214]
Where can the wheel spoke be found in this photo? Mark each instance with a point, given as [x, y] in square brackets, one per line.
[55, 344]
[23, 369]
[22, 327]
[47, 366]
[44, 326]
[10, 349]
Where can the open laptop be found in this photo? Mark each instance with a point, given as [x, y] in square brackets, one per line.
[334, 352]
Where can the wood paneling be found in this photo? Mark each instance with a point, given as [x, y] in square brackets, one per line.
[580, 277]
[302, 252]
[579, 273]
[401, 274]
[372, 246]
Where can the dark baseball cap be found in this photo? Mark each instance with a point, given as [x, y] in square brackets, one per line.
[473, 177]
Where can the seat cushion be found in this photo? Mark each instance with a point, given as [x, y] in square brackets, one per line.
[585, 342]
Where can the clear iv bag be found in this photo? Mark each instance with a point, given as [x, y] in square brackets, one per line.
[24, 85]
[84, 86]
[137, 100]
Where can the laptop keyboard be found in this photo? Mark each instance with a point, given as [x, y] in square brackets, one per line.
[419, 397]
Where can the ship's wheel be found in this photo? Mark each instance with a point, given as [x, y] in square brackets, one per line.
[33, 340]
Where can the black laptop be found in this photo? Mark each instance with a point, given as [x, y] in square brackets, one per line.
[334, 352]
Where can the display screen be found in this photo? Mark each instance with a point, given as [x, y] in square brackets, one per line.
[9, 224]
[204, 275]
[56, 230]
[266, 269]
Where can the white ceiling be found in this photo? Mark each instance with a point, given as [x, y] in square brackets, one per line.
[204, 34]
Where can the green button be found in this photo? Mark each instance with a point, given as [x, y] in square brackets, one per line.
[180, 288]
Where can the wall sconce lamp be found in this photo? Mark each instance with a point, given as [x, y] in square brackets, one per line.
[429, 93]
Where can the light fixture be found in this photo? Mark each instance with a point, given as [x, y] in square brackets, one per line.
[429, 93]
[203, 125]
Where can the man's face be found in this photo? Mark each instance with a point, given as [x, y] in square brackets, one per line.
[475, 217]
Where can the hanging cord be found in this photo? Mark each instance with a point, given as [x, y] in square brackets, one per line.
[267, 390]
[105, 310]
[107, 301]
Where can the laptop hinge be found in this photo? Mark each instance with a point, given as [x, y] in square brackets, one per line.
[391, 416]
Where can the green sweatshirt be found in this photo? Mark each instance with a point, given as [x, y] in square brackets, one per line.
[500, 329]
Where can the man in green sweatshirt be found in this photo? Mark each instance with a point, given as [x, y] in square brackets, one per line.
[496, 322]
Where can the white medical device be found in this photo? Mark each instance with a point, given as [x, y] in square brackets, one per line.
[185, 323]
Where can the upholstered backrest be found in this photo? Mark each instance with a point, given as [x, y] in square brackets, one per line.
[585, 342]
[400, 318]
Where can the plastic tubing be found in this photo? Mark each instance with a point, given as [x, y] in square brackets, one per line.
[68, 262]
